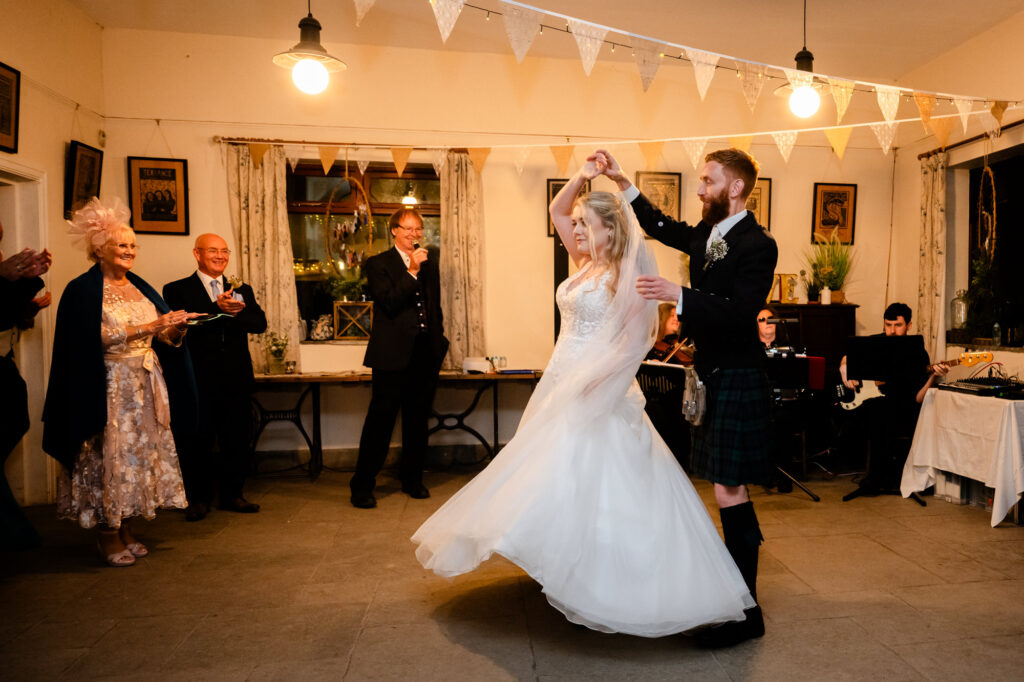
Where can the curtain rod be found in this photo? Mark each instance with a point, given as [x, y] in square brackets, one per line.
[961, 143]
[341, 145]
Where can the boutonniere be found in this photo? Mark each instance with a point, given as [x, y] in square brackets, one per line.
[715, 252]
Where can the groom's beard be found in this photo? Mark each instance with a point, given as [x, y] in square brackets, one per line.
[716, 209]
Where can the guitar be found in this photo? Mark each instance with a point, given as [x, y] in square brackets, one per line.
[850, 399]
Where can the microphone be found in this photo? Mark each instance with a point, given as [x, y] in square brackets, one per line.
[415, 245]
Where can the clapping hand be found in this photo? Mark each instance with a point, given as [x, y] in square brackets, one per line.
[176, 319]
[26, 263]
[229, 304]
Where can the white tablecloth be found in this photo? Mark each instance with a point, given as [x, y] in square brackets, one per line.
[973, 436]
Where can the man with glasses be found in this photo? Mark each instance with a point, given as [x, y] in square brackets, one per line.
[215, 458]
[766, 329]
[405, 351]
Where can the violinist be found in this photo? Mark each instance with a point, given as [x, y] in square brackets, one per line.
[668, 348]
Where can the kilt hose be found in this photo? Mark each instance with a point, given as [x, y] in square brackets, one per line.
[733, 445]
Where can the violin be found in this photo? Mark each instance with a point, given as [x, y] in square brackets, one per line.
[671, 352]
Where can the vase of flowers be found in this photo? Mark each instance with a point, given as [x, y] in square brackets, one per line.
[829, 262]
[276, 345]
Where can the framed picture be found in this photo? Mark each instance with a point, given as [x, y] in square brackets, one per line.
[555, 186]
[760, 202]
[81, 176]
[10, 102]
[663, 189]
[158, 195]
[787, 287]
[835, 211]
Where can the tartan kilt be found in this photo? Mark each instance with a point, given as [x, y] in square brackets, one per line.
[733, 445]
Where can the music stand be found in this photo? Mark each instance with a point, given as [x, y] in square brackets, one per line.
[883, 358]
[790, 373]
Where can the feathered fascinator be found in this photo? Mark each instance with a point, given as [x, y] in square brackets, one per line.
[94, 224]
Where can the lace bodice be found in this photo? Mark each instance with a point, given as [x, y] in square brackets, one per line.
[124, 306]
[583, 304]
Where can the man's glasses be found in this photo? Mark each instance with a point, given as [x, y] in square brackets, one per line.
[406, 228]
[216, 252]
[762, 319]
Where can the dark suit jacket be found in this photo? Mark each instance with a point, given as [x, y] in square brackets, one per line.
[395, 319]
[722, 302]
[220, 349]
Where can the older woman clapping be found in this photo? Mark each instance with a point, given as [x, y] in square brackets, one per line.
[107, 414]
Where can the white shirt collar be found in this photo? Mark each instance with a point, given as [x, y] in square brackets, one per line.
[730, 222]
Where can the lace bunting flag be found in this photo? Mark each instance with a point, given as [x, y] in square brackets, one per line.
[438, 159]
[478, 155]
[362, 164]
[651, 152]
[785, 141]
[838, 137]
[695, 150]
[292, 154]
[752, 77]
[798, 78]
[941, 128]
[562, 154]
[925, 105]
[704, 65]
[963, 106]
[589, 39]
[741, 142]
[362, 7]
[647, 55]
[885, 133]
[400, 155]
[521, 26]
[888, 101]
[842, 92]
[522, 154]
[447, 13]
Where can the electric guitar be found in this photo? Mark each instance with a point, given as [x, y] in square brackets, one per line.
[850, 399]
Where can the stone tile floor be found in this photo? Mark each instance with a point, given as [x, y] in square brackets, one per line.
[311, 588]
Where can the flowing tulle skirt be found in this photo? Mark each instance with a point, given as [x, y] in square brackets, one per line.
[601, 515]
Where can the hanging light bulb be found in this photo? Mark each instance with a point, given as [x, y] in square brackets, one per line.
[804, 99]
[309, 62]
[409, 199]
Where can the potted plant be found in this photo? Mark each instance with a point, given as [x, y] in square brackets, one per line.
[829, 261]
[276, 345]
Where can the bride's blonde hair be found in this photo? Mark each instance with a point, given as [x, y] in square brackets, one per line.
[610, 211]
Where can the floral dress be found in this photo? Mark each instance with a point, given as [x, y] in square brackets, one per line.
[131, 468]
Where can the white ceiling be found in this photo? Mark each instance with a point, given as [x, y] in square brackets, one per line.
[875, 40]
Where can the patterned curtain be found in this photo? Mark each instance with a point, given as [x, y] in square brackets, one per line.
[462, 259]
[930, 313]
[257, 200]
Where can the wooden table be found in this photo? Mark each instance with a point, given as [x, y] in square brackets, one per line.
[310, 383]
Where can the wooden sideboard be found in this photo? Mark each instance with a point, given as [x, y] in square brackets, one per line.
[821, 329]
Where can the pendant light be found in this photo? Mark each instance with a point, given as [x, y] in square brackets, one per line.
[804, 100]
[309, 62]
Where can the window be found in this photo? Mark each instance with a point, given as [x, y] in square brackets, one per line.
[329, 246]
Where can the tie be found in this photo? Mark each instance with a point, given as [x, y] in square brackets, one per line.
[215, 287]
[712, 238]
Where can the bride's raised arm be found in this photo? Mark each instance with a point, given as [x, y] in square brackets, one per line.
[561, 208]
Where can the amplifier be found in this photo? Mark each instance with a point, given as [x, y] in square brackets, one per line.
[987, 386]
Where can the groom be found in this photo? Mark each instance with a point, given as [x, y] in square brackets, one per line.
[732, 262]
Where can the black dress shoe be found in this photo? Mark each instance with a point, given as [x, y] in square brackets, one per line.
[240, 505]
[732, 633]
[417, 491]
[364, 500]
[196, 511]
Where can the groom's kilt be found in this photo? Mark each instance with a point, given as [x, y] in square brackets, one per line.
[733, 444]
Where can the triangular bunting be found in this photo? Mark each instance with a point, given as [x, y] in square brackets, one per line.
[589, 39]
[842, 91]
[704, 65]
[997, 110]
[785, 141]
[963, 106]
[400, 155]
[438, 159]
[647, 55]
[751, 81]
[651, 152]
[562, 154]
[362, 7]
[941, 128]
[327, 157]
[521, 26]
[478, 155]
[256, 152]
[798, 78]
[362, 164]
[695, 150]
[925, 105]
[520, 161]
[447, 13]
[888, 100]
[885, 133]
[741, 142]
[838, 137]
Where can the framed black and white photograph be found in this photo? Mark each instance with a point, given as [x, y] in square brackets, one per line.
[759, 202]
[555, 186]
[663, 190]
[81, 176]
[10, 103]
[158, 195]
[835, 211]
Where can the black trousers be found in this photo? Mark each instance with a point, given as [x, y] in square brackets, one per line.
[410, 390]
[216, 458]
[15, 530]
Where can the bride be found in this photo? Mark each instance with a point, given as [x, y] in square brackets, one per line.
[587, 498]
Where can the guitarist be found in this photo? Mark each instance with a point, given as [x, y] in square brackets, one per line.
[894, 414]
